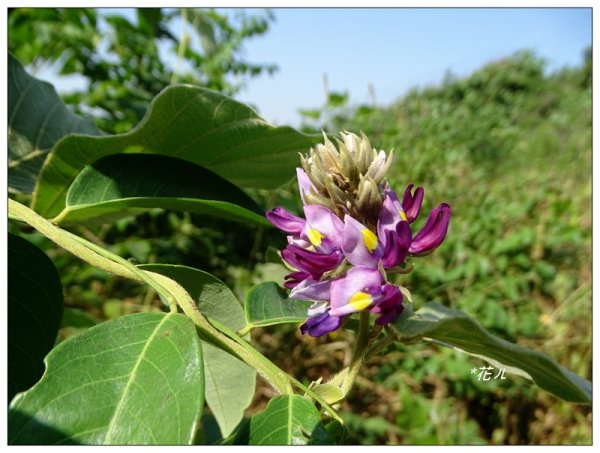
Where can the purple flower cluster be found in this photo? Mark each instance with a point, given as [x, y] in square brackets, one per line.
[341, 264]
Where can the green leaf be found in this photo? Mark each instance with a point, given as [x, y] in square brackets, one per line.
[37, 119]
[267, 304]
[240, 436]
[35, 307]
[364, 110]
[329, 392]
[229, 383]
[313, 114]
[135, 380]
[455, 329]
[288, 420]
[117, 183]
[214, 298]
[149, 21]
[337, 99]
[336, 430]
[193, 124]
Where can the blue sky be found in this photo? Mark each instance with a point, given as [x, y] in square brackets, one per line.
[394, 50]
[397, 49]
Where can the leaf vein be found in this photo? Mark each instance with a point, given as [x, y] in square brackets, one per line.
[121, 404]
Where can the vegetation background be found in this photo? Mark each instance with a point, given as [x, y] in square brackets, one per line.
[508, 147]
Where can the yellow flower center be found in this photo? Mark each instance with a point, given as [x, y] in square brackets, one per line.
[315, 237]
[370, 239]
[359, 301]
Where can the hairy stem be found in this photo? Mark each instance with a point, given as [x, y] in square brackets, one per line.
[58, 236]
[175, 294]
[330, 411]
[362, 342]
[171, 290]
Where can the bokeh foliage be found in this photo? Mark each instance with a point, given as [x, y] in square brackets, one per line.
[122, 58]
[509, 147]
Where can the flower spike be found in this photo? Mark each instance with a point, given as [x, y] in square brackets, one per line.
[354, 232]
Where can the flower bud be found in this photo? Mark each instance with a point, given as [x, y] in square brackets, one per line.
[380, 166]
[369, 200]
[349, 178]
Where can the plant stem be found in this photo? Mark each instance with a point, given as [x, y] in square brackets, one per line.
[360, 350]
[245, 330]
[270, 372]
[176, 295]
[143, 276]
[171, 290]
[58, 236]
[87, 251]
[61, 216]
[332, 413]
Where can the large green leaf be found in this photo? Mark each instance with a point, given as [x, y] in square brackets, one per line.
[455, 329]
[214, 298]
[135, 380]
[37, 119]
[288, 420]
[229, 383]
[267, 304]
[116, 183]
[35, 307]
[193, 124]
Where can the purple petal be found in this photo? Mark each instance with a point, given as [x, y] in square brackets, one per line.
[285, 221]
[323, 228]
[393, 227]
[312, 290]
[360, 245]
[433, 233]
[317, 308]
[314, 263]
[298, 242]
[304, 183]
[412, 203]
[397, 244]
[321, 324]
[391, 213]
[357, 291]
[295, 278]
[389, 306]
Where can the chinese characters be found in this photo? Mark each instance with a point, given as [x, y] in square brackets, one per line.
[486, 373]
